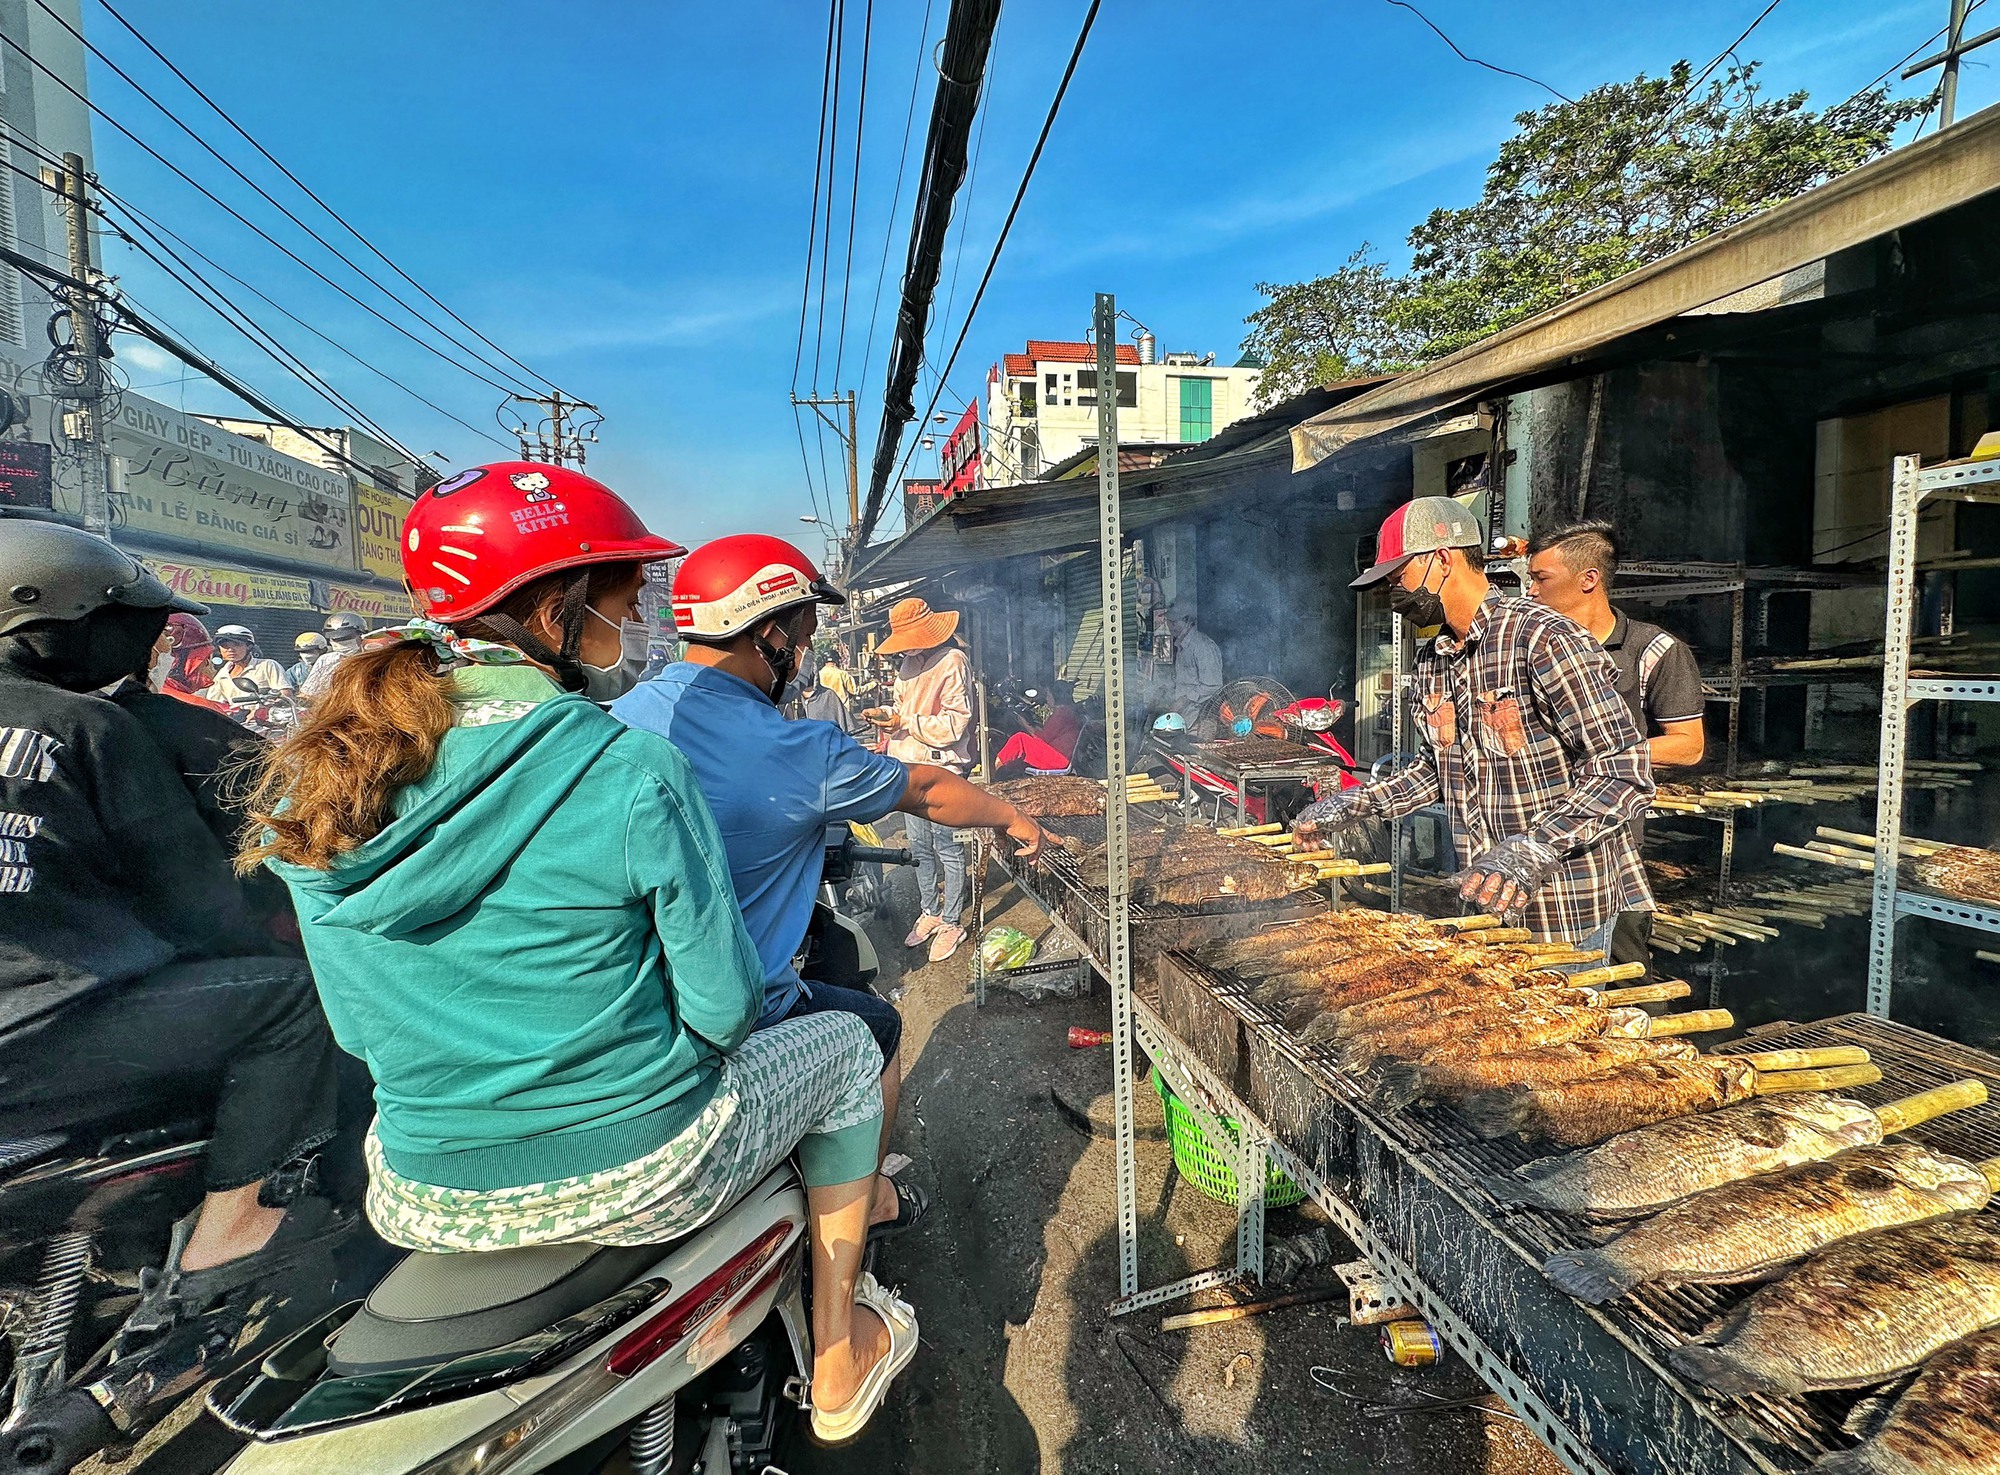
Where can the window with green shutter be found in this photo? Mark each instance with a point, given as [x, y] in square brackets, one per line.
[1197, 409]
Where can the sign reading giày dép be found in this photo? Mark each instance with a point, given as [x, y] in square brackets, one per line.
[184, 478]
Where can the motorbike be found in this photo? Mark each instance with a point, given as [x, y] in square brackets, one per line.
[82, 1212]
[666, 1359]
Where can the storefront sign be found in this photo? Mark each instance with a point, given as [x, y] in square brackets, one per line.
[181, 477]
[243, 588]
[378, 606]
[378, 530]
[24, 474]
[958, 462]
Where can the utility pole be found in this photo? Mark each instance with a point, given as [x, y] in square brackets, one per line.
[1956, 47]
[79, 373]
[554, 441]
[848, 437]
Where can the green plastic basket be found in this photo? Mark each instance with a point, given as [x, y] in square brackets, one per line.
[1198, 1163]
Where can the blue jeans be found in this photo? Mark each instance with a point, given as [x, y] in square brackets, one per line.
[940, 867]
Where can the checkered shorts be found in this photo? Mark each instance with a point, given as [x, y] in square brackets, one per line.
[817, 1075]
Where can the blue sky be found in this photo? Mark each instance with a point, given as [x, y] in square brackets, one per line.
[617, 191]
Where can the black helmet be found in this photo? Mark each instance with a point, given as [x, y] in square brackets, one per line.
[52, 572]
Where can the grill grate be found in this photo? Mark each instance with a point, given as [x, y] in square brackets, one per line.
[1791, 1432]
[1264, 758]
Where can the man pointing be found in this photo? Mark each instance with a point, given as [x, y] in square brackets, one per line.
[1526, 740]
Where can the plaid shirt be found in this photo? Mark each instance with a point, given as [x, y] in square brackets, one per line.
[1525, 733]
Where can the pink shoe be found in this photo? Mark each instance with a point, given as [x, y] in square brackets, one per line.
[946, 942]
[922, 932]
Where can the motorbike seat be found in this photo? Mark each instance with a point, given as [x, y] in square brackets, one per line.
[435, 1307]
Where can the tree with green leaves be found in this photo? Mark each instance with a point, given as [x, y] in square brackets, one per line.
[1583, 193]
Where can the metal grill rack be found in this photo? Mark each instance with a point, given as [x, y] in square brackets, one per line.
[1960, 481]
[1246, 762]
[1408, 1186]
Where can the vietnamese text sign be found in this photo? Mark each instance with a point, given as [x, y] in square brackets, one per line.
[215, 584]
[24, 474]
[378, 530]
[378, 606]
[184, 478]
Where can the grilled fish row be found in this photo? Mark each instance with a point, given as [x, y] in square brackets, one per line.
[1946, 1423]
[1643, 1171]
[1741, 1231]
[1860, 1313]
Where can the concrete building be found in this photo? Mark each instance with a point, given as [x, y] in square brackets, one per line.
[1042, 403]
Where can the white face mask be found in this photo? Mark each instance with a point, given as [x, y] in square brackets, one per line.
[608, 683]
[162, 668]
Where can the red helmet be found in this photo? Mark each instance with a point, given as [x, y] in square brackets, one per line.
[477, 537]
[727, 586]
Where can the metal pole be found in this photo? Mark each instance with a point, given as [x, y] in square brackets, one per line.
[1905, 500]
[1948, 89]
[1398, 703]
[1117, 836]
[88, 424]
[853, 471]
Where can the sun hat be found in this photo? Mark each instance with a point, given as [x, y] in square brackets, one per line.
[1420, 526]
[914, 625]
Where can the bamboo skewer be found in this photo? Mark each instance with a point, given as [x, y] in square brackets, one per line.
[1694, 1022]
[1652, 993]
[1241, 832]
[1834, 1078]
[1825, 1055]
[1617, 973]
[1911, 1111]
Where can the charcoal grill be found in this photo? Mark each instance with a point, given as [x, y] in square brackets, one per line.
[1055, 884]
[1407, 1185]
[1246, 761]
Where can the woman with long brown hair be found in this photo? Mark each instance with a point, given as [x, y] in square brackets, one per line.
[518, 914]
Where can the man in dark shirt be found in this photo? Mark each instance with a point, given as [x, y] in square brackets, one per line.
[1570, 570]
[130, 970]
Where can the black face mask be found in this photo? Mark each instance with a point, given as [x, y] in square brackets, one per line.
[85, 654]
[784, 665]
[1421, 607]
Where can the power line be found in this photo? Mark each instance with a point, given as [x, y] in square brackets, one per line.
[1503, 71]
[373, 249]
[854, 189]
[869, 512]
[156, 229]
[266, 195]
[812, 231]
[961, 71]
[244, 220]
[832, 175]
[896, 199]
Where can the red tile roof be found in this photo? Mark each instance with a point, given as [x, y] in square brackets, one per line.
[1051, 351]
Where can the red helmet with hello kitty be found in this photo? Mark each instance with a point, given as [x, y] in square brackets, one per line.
[481, 535]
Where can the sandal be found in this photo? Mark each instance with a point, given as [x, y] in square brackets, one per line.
[170, 1296]
[921, 933]
[833, 1427]
[945, 942]
[912, 1203]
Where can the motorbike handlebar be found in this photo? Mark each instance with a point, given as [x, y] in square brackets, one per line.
[888, 855]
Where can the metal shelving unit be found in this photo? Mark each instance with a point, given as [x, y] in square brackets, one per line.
[1951, 481]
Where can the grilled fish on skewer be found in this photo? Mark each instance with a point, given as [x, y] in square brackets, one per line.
[1576, 1113]
[1643, 1171]
[1741, 1231]
[1404, 1082]
[1947, 1422]
[1860, 1313]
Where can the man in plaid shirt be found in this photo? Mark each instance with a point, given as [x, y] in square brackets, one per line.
[1525, 738]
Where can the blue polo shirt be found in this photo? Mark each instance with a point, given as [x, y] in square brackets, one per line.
[773, 787]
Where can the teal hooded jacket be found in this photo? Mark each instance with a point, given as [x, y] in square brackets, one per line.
[540, 957]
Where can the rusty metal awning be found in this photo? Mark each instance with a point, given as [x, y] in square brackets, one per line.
[1926, 178]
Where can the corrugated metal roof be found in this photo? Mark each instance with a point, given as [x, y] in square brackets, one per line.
[1926, 178]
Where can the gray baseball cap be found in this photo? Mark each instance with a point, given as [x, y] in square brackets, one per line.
[1422, 525]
